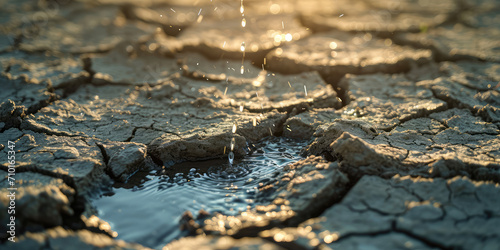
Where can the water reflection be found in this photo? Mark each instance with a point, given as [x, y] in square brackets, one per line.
[148, 208]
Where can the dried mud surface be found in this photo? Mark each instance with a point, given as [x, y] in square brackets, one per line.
[399, 102]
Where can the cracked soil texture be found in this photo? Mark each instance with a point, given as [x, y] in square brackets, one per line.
[399, 102]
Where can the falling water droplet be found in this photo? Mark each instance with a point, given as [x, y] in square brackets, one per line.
[242, 70]
[241, 108]
[233, 142]
[234, 125]
[243, 22]
[254, 122]
[242, 9]
[305, 89]
[230, 157]
[242, 48]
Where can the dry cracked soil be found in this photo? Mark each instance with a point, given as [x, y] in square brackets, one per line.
[396, 103]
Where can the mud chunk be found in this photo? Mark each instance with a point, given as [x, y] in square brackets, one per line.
[481, 76]
[481, 5]
[222, 243]
[426, 6]
[261, 91]
[58, 238]
[125, 158]
[80, 32]
[58, 71]
[40, 199]
[130, 65]
[74, 160]
[457, 42]
[305, 124]
[23, 92]
[381, 21]
[409, 150]
[200, 67]
[6, 42]
[161, 114]
[480, 19]
[335, 54]
[318, 183]
[172, 18]
[484, 103]
[261, 34]
[387, 100]
[11, 115]
[463, 121]
[384, 212]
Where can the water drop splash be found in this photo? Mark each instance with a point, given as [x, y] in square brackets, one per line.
[242, 48]
[233, 142]
[234, 125]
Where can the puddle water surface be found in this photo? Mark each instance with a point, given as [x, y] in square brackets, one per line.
[148, 208]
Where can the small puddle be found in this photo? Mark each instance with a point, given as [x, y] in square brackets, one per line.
[147, 209]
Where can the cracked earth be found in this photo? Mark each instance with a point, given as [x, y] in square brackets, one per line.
[398, 103]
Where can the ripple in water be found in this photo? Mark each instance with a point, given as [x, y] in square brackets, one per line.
[148, 208]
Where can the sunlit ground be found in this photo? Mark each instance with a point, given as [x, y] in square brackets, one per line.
[250, 124]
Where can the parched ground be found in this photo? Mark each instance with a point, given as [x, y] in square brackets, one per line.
[400, 102]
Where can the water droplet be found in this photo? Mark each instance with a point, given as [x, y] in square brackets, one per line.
[242, 70]
[305, 89]
[242, 9]
[254, 122]
[275, 9]
[288, 37]
[234, 125]
[242, 48]
[241, 110]
[233, 142]
[243, 22]
[333, 45]
[230, 157]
